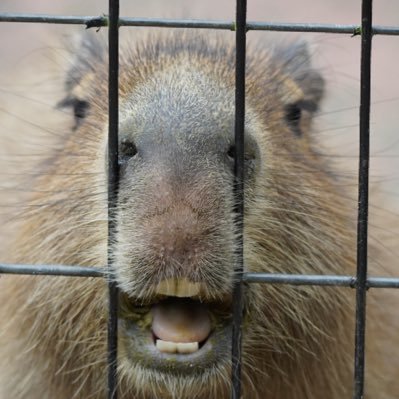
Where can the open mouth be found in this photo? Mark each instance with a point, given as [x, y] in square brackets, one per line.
[178, 329]
[180, 325]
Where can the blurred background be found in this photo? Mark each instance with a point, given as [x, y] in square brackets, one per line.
[33, 61]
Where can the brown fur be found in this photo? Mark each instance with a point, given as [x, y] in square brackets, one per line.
[175, 218]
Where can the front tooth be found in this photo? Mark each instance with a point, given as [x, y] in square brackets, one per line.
[167, 287]
[186, 288]
[177, 347]
[166, 346]
[182, 288]
[187, 347]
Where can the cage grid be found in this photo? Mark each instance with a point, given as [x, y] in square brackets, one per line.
[360, 282]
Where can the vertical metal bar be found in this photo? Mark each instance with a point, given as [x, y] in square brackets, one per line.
[364, 156]
[113, 177]
[241, 15]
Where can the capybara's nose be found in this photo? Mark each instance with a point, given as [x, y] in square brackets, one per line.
[176, 236]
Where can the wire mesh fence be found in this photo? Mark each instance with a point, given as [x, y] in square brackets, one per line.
[360, 282]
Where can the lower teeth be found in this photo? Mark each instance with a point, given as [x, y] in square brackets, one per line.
[176, 347]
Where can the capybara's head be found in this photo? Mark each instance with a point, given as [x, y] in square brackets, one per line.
[176, 236]
[175, 244]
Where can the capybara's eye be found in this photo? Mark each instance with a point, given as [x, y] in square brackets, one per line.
[128, 148]
[80, 108]
[293, 113]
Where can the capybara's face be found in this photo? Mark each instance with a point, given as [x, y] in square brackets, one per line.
[175, 244]
[174, 249]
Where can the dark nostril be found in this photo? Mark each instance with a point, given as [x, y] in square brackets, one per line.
[248, 156]
[231, 152]
[128, 148]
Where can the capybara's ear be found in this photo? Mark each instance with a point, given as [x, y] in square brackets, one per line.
[86, 57]
[295, 61]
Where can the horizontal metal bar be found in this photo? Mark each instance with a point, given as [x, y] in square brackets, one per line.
[177, 23]
[53, 270]
[385, 30]
[299, 279]
[99, 21]
[320, 28]
[272, 278]
[382, 282]
[54, 19]
[324, 280]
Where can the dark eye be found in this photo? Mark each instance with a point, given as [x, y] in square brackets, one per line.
[293, 114]
[80, 108]
[128, 148]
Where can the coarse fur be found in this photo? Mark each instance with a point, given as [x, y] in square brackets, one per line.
[175, 217]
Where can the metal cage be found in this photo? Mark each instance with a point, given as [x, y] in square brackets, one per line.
[360, 282]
